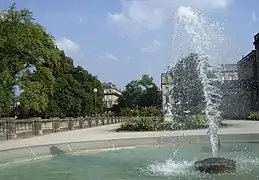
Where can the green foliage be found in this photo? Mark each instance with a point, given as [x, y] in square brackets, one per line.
[191, 122]
[158, 124]
[187, 91]
[253, 116]
[50, 85]
[33, 98]
[142, 124]
[6, 94]
[141, 93]
[143, 111]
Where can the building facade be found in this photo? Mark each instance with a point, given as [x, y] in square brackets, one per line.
[248, 72]
[228, 72]
[247, 68]
[111, 95]
[240, 88]
[235, 101]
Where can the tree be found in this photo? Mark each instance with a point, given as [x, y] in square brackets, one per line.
[6, 93]
[187, 89]
[73, 94]
[130, 95]
[25, 47]
[141, 93]
[87, 84]
[49, 83]
[24, 43]
[34, 99]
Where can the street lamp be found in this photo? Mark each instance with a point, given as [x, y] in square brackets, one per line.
[95, 97]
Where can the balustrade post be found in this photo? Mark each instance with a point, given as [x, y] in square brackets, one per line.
[85, 120]
[90, 122]
[3, 126]
[112, 120]
[37, 126]
[81, 122]
[71, 123]
[10, 129]
[103, 123]
[56, 124]
[96, 121]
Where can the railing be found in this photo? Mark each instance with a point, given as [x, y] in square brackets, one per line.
[11, 128]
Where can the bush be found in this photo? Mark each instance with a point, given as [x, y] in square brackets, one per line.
[253, 116]
[191, 122]
[142, 111]
[158, 124]
[142, 124]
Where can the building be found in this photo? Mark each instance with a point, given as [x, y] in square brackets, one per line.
[228, 72]
[247, 68]
[111, 94]
[234, 102]
[241, 96]
[240, 88]
[248, 72]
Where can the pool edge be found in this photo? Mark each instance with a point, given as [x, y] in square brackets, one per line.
[48, 150]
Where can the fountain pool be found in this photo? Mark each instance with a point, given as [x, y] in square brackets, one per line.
[137, 164]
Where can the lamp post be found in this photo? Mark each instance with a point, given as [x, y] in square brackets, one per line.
[95, 97]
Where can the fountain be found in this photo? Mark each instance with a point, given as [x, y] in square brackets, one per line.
[203, 39]
[152, 155]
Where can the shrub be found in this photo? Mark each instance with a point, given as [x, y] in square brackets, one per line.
[158, 124]
[142, 111]
[191, 122]
[253, 116]
[142, 124]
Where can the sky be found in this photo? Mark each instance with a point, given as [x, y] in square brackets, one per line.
[119, 40]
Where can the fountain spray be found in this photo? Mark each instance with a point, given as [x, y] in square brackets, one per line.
[204, 38]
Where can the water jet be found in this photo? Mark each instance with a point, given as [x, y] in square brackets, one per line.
[205, 40]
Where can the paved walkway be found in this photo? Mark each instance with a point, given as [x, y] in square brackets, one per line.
[108, 133]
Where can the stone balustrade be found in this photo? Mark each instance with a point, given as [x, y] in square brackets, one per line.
[11, 128]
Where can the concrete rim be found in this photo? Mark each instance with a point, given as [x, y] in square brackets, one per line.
[47, 150]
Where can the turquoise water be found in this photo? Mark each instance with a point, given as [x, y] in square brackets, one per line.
[136, 164]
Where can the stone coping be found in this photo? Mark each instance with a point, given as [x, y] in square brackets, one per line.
[34, 152]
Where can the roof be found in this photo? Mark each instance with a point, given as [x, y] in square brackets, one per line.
[246, 58]
[110, 85]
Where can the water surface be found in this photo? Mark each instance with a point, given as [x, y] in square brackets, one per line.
[136, 164]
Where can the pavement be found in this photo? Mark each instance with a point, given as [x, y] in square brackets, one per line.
[108, 133]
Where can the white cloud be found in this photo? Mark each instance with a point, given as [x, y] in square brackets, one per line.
[254, 17]
[107, 56]
[136, 16]
[139, 15]
[152, 47]
[68, 46]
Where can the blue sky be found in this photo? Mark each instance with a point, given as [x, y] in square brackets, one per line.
[120, 40]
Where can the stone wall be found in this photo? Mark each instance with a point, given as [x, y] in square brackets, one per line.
[11, 128]
[236, 99]
[247, 69]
